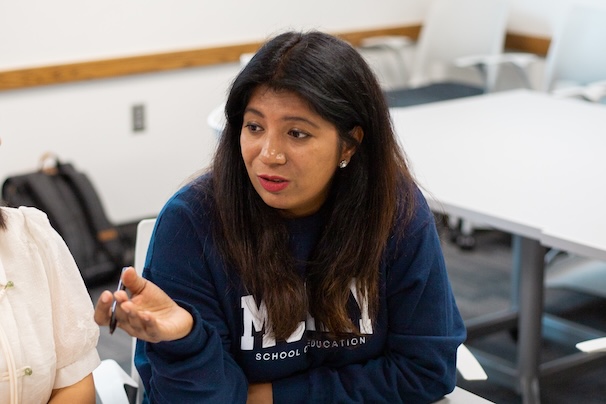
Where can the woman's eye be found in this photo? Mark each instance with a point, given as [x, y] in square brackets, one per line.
[252, 127]
[298, 134]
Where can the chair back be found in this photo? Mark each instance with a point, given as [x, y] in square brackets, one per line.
[216, 120]
[576, 56]
[110, 380]
[145, 228]
[458, 28]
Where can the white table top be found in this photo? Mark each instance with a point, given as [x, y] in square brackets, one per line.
[521, 161]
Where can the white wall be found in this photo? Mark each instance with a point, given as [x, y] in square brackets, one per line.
[540, 17]
[89, 123]
[34, 32]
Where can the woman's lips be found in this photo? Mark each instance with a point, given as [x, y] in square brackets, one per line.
[272, 183]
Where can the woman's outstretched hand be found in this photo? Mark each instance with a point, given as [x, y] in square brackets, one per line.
[149, 314]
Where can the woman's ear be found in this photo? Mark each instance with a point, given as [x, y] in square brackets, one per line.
[358, 134]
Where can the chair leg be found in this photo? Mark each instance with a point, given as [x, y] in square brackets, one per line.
[466, 239]
[460, 232]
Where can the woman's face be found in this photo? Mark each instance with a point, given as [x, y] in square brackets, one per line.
[290, 152]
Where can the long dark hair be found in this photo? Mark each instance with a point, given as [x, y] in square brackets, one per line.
[363, 203]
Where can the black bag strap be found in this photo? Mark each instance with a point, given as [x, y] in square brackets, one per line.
[107, 234]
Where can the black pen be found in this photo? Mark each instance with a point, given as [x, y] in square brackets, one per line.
[113, 321]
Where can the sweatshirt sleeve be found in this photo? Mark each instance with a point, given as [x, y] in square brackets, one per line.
[424, 330]
[198, 367]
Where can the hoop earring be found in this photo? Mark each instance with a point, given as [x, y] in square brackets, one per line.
[343, 164]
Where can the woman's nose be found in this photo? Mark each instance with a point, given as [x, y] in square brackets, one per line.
[272, 152]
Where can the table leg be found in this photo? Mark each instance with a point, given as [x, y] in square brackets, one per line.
[516, 270]
[531, 295]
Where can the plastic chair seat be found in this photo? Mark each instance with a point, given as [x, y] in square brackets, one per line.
[430, 93]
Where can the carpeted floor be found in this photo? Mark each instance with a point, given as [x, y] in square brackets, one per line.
[481, 280]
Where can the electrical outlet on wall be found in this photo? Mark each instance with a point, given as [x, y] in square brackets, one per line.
[138, 116]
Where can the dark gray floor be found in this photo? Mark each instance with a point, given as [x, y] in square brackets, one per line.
[481, 279]
[481, 283]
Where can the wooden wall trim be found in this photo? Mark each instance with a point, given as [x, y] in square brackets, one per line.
[65, 73]
[106, 68]
[525, 43]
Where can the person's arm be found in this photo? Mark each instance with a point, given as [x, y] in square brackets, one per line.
[149, 314]
[185, 351]
[182, 311]
[260, 393]
[158, 318]
[418, 364]
[183, 261]
[74, 333]
[82, 392]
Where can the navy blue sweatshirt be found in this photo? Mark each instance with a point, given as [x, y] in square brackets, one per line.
[407, 354]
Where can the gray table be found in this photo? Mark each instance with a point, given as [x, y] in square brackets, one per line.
[528, 164]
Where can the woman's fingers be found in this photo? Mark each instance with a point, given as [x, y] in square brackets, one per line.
[141, 325]
[102, 310]
[149, 313]
[133, 281]
[106, 299]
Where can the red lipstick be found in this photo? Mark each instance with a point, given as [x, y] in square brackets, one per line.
[273, 183]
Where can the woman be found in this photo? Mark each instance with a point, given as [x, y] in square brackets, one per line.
[305, 266]
[47, 337]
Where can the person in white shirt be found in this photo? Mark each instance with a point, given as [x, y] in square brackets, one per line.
[48, 338]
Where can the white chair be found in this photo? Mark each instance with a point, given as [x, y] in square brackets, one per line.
[461, 396]
[457, 29]
[216, 119]
[109, 376]
[583, 275]
[575, 67]
[576, 62]
[593, 345]
[145, 229]
[455, 35]
[468, 366]
[110, 380]
[568, 271]
[597, 345]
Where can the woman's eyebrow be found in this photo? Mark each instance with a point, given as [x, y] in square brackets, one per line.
[301, 119]
[289, 118]
[254, 111]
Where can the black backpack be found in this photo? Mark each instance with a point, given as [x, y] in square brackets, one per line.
[75, 211]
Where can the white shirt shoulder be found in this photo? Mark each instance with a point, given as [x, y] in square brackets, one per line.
[46, 311]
